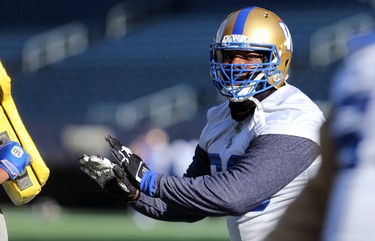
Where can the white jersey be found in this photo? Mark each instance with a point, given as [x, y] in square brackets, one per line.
[248, 171]
[288, 112]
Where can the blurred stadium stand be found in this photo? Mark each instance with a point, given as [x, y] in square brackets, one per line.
[132, 50]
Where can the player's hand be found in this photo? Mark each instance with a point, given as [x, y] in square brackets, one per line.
[13, 158]
[131, 163]
[103, 171]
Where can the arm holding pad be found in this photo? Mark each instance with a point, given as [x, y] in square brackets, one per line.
[13, 158]
[28, 184]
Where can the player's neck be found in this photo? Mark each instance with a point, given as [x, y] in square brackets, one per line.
[241, 110]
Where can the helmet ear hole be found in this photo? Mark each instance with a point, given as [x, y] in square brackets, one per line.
[286, 63]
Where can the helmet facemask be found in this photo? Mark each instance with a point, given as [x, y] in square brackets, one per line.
[241, 81]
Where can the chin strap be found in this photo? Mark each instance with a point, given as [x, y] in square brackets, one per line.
[260, 110]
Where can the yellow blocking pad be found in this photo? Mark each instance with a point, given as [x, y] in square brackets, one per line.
[25, 187]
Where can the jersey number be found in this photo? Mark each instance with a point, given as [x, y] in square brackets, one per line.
[217, 164]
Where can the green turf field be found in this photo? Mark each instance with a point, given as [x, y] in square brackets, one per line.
[28, 223]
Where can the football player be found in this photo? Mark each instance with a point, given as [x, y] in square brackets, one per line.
[255, 154]
[337, 205]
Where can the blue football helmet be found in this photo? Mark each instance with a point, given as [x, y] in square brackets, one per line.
[251, 29]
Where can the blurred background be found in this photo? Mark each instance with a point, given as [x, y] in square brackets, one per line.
[138, 70]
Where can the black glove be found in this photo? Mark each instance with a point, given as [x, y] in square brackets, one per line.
[103, 172]
[131, 163]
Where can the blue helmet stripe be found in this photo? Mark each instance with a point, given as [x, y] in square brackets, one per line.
[241, 20]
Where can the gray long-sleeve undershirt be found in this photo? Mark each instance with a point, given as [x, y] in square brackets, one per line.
[269, 163]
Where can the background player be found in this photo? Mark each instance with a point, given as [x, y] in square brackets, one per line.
[338, 203]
